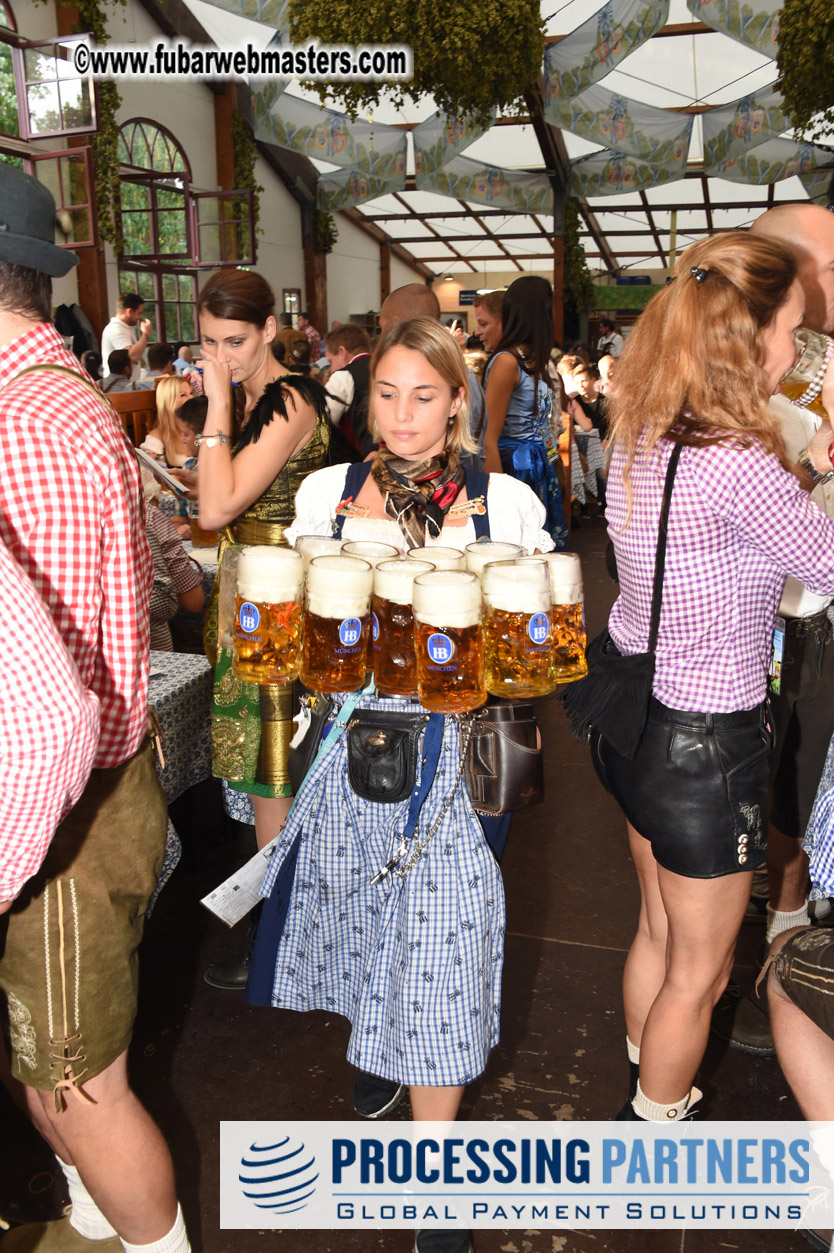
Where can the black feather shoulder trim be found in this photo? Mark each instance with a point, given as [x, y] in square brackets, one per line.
[274, 401]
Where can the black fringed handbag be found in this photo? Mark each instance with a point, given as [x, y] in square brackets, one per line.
[613, 698]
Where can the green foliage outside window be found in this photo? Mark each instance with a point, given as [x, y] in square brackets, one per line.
[806, 65]
[470, 57]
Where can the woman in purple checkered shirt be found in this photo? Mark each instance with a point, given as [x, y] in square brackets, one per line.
[698, 371]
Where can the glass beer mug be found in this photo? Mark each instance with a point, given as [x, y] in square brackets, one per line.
[517, 629]
[268, 618]
[448, 641]
[392, 626]
[337, 616]
[370, 551]
[438, 557]
[568, 638]
[311, 546]
[804, 383]
[482, 552]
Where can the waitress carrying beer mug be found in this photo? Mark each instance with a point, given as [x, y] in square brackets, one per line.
[410, 949]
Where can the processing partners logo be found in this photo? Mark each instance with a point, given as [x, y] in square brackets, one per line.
[278, 1177]
[555, 1176]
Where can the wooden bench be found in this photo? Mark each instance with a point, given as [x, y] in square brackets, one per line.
[137, 411]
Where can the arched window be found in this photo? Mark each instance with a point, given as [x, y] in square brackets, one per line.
[154, 210]
[170, 231]
[154, 199]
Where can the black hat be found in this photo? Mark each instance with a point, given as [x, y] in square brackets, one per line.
[27, 225]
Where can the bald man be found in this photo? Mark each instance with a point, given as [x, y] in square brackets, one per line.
[803, 710]
[415, 300]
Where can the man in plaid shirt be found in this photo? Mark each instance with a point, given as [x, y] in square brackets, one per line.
[71, 516]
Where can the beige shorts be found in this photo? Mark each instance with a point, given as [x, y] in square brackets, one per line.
[68, 946]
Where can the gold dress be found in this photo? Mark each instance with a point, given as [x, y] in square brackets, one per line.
[251, 723]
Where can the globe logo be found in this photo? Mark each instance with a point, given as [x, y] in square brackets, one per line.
[278, 1177]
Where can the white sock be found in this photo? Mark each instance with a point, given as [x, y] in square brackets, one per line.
[779, 920]
[86, 1217]
[176, 1240]
[633, 1052]
[656, 1111]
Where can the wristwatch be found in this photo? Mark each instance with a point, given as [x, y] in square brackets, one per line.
[812, 471]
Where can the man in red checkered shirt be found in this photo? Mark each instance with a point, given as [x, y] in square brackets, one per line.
[71, 516]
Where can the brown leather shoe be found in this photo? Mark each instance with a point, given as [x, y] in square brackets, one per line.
[744, 1023]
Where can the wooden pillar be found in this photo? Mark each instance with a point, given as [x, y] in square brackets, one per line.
[384, 272]
[91, 272]
[559, 288]
[315, 287]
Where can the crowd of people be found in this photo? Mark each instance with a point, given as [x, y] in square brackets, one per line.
[716, 492]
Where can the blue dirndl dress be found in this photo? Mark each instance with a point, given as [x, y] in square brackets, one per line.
[414, 963]
[527, 447]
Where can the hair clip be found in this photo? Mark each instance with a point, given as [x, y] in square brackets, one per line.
[699, 274]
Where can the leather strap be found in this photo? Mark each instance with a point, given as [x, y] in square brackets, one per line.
[660, 555]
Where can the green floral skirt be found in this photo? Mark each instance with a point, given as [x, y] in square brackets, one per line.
[251, 729]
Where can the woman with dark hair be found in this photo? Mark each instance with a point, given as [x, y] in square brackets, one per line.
[266, 429]
[519, 437]
[691, 419]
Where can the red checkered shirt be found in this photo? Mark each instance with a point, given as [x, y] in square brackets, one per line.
[48, 729]
[71, 515]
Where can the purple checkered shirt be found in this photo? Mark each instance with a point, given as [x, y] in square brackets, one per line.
[738, 523]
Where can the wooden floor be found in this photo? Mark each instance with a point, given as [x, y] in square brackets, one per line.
[200, 1056]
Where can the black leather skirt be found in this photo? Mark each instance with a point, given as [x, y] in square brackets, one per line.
[697, 788]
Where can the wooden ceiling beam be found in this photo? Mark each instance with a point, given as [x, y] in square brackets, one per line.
[437, 235]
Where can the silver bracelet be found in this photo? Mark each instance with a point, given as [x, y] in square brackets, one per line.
[211, 440]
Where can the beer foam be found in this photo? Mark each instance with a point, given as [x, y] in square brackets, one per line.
[393, 579]
[479, 554]
[269, 575]
[447, 598]
[339, 587]
[439, 557]
[515, 587]
[565, 577]
[370, 551]
[311, 546]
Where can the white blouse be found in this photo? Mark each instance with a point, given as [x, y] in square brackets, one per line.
[516, 515]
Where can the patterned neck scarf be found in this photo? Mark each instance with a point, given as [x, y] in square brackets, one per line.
[418, 494]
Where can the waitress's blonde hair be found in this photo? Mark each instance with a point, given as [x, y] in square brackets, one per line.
[441, 350]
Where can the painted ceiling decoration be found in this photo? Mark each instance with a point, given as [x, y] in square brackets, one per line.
[641, 146]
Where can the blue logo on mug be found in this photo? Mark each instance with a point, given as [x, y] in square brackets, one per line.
[440, 648]
[538, 628]
[249, 617]
[375, 626]
[350, 632]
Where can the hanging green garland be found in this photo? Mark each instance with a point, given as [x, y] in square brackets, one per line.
[470, 57]
[806, 65]
[245, 154]
[579, 285]
[326, 232]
